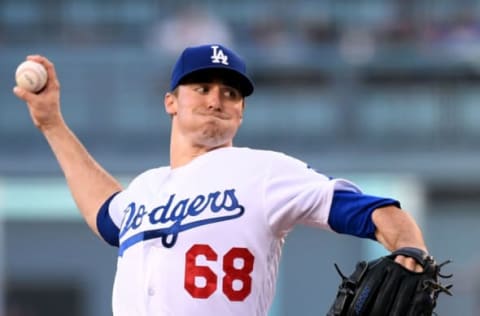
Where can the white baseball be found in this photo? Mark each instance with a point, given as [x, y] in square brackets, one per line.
[31, 76]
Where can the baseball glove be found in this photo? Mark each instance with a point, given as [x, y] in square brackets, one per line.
[383, 287]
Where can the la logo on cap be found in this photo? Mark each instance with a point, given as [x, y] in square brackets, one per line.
[218, 56]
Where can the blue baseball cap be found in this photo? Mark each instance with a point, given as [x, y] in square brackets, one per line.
[199, 61]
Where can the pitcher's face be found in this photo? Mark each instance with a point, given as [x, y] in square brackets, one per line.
[207, 114]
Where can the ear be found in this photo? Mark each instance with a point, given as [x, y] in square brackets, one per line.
[242, 111]
[170, 102]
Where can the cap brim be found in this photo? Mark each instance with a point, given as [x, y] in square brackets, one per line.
[229, 76]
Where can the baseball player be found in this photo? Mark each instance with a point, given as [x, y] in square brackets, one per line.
[203, 235]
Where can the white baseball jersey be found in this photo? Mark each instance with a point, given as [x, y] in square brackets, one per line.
[206, 238]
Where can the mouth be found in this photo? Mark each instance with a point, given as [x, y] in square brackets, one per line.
[221, 116]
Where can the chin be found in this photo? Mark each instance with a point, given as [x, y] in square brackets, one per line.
[213, 142]
[215, 138]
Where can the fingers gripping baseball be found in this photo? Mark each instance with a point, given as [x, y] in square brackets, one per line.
[44, 106]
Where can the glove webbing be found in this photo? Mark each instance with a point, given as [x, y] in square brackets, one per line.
[347, 288]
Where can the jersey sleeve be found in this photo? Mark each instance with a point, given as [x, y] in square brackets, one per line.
[111, 213]
[297, 194]
[107, 227]
[110, 217]
[351, 213]
[294, 194]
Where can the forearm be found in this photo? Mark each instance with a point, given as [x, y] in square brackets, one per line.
[396, 228]
[89, 183]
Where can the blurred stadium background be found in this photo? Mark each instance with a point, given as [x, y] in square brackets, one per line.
[385, 92]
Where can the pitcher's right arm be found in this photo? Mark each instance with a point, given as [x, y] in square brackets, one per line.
[89, 183]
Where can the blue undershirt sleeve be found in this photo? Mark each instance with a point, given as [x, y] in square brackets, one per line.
[351, 213]
[106, 227]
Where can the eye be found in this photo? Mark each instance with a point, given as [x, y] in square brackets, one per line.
[201, 89]
[232, 93]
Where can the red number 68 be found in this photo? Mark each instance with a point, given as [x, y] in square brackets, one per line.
[242, 275]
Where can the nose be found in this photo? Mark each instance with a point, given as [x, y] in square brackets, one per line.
[215, 98]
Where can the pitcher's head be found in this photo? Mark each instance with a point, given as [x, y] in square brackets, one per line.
[200, 63]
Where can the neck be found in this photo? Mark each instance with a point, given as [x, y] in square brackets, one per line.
[181, 152]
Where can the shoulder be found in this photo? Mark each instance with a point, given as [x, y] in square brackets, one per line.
[272, 162]
[259, 155]
[149, 177]
[152, 173]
